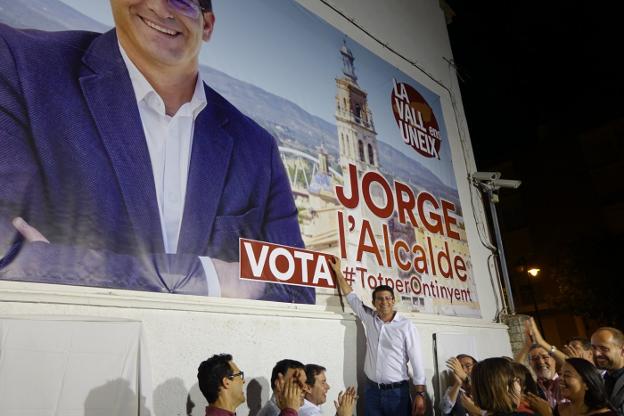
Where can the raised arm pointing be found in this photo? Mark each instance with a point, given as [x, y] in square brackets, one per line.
[345, 288]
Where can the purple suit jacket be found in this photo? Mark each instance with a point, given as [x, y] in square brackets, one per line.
[74, 163]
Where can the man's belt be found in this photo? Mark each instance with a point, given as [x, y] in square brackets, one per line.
[389, 386]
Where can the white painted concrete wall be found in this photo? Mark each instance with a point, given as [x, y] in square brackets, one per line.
[181, 331]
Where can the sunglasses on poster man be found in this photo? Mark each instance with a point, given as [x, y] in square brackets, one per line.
[190, 8]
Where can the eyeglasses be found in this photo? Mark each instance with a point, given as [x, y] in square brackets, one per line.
[382, 298]
[189, 8]
[537, 357]
[240, 373]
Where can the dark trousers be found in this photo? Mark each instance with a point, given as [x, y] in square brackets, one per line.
[390, 402]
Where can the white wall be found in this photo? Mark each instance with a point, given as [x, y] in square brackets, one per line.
[181, 331]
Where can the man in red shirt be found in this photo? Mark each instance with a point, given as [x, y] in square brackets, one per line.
[221, 382]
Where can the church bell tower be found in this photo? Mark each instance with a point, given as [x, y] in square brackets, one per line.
[356, 131]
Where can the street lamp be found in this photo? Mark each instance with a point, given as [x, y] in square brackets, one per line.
[533, 272]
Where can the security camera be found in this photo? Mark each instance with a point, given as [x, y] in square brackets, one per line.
[486, 176]
[492, 181]
[506, 183]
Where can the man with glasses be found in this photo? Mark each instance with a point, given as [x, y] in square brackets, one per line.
[391, 341]
[456, 400]
[543, 358]
[221, 382]
[545, 368]
[577, 346]
[120, 168]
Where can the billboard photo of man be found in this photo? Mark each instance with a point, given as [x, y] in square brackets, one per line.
[121, 168]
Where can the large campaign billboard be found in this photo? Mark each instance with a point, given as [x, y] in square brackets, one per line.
[304, 145]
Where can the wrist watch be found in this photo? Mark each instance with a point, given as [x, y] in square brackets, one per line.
[552, 350]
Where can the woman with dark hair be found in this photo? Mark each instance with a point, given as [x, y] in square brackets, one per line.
[527, 385]
[495, 387]
[582, 385]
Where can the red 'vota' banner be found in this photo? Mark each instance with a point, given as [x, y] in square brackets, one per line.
[267, 262]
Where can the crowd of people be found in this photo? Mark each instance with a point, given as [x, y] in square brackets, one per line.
[585, 377]
[297, 389]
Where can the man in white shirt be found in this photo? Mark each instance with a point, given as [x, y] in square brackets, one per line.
[121, 168]
[391, 342]
[316, 379]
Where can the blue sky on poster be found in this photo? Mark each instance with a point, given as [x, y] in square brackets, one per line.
[281, 47]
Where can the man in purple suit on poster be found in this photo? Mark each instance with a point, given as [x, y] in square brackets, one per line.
[120, 168]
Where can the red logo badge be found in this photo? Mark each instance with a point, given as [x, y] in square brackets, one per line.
[416, 121]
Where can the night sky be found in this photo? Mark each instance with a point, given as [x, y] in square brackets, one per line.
[527, 64]
[543, 92]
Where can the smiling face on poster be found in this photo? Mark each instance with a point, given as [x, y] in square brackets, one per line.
[307, 146]
[161, 35]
